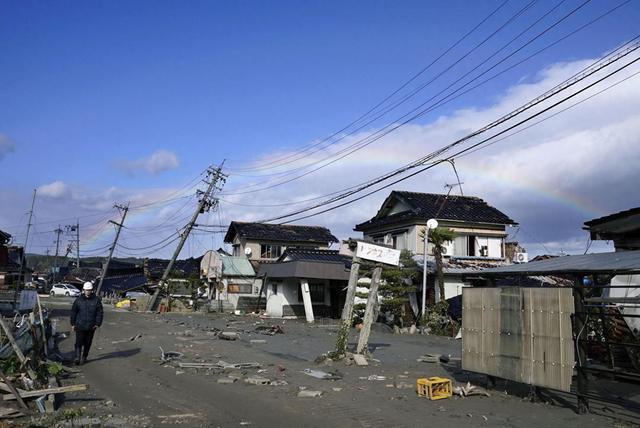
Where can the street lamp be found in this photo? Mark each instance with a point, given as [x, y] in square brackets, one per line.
[431, 224]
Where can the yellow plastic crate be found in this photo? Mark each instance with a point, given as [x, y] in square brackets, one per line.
[434, 388]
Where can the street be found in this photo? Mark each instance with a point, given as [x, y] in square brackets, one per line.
[130, 386]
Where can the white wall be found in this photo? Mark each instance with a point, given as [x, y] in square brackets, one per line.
[453, 286]
[288, 292]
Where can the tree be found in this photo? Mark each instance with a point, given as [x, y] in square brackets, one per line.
[395, 285]
[438, 237]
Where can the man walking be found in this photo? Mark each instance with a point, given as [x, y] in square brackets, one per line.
[86, 317]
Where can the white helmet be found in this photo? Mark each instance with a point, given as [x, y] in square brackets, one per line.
[87, 286]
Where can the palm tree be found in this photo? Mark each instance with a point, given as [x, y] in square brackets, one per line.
[438, 237]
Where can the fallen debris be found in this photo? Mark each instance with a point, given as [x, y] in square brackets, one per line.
[227, 380]
[256, 341]
[165, 357]
[229, 335]
[319, 374]
[360, 360]
[131, 339]
[470, 390]
[257, 380]
[305, 393]
[373, 377]
[279, 383]
[39, 392]
[219, 365]
[269, 331]
[429, 358]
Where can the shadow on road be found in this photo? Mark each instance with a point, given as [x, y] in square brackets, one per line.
[117, 354]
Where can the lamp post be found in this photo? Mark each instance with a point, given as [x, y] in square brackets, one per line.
[431, 224]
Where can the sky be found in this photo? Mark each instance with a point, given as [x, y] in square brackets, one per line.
[129, 102]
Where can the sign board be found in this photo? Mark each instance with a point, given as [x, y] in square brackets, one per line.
[378, 253]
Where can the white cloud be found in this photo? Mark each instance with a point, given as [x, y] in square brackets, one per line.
[6, 146]
[57, 189]
[551, 178]
[156, 163]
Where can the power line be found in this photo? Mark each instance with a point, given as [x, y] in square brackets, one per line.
[358, 145]
[392, 94]
[563, 86]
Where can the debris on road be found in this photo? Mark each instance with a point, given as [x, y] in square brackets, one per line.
[305, 393]
[257, 341]
[131, 339]
[165, 357]
[227, 380]
[269, 331]
[429, 358]
[319, 374]
[229, 335]
[469, 390]
[257, 380]
[279, 383]
[360, 360]
[373, 377]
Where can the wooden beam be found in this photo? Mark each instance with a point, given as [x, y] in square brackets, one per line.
[16, 349]
[14, 392]
[40, 392]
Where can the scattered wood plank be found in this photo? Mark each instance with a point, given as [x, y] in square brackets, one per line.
[14, 392]
[39, 392]
[16, 348]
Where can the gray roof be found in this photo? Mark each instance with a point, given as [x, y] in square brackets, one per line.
[280, 232]
[314, 255]
[622, 262]
[423, 206]
[305, 269]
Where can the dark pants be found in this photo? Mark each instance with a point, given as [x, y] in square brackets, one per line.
[83, 341]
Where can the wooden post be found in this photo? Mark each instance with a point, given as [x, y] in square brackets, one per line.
[372, 303]
[44, 330]
[17, 349]
[579, 325]
[306, 298]
[347, 311]
[14, 391]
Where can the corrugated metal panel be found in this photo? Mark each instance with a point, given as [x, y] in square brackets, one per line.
[236, 266]
[521, 334]
[618, 262]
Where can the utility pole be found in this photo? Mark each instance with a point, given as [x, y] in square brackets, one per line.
[431, 224]
[124, 209]
[75, 228]
[58, 231]
[205, 203]
[23, 259]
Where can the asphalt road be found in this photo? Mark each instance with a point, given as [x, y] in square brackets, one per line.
[130, 386]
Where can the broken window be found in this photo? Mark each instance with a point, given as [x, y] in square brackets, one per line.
[268, 251]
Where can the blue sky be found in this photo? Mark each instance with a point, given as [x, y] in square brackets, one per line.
[90, 90]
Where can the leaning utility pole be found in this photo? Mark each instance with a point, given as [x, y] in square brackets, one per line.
[58, 231]
[205, 203]
[124, 209]
[75, 228]
[23, 258]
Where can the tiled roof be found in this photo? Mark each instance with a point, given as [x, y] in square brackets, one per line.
[279, 232]
[442, 207]
[4, 237]
[302, 254]
[611, 217]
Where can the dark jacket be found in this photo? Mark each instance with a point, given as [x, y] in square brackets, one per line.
[86, 312]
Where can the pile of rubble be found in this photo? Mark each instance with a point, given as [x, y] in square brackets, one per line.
[28, 374]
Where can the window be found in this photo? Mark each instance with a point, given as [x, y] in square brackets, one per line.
[236, 250]
[316, 291]
[239, 288]
[268, 251]
[399, 241]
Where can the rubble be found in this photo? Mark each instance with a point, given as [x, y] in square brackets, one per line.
[269, 331]
[469, 390]
[305, 393]
[229, 335]
[257, 380]
[360, 360]
[318, 374]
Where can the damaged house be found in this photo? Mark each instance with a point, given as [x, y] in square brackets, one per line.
[480, 232]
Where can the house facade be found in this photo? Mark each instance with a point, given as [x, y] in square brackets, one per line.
[306, 283]
[480, 229]
[480, 232]
[623, 228]
[267, 242]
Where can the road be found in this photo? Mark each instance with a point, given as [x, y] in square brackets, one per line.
[129, 383]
